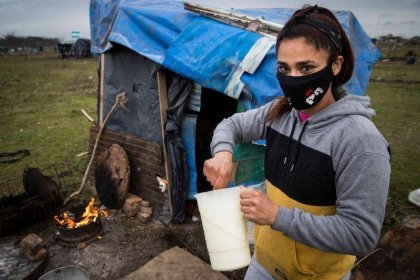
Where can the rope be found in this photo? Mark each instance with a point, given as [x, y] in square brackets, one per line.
[120, 101]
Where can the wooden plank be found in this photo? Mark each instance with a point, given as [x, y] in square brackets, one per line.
[144, 164]
[132, 148]
[163, 106]
[130, 140]
[138, 177]
[142, 184]
[155, 200]
[106, 142]
[124, 137]
[136, 149]
[146, 180]
[137, 170]
[138, 145]
[145, 160]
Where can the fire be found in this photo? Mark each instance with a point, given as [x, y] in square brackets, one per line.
[91, 214]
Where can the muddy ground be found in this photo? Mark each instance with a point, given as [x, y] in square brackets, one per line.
[126, 245]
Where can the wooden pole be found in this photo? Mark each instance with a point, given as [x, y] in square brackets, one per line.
[101, 91]
[263, 27]
[163, 106]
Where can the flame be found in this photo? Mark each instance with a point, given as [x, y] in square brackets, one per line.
[91, 214]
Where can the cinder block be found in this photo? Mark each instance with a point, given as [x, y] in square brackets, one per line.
[146, 210]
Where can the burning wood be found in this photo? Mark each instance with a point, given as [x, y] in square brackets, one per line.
[91, 214]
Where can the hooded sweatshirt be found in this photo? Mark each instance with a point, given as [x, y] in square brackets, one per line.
[329, 177]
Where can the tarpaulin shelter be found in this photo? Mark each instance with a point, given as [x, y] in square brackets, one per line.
[78, 49]
[64, 49]
[81, 48]
[230, 69]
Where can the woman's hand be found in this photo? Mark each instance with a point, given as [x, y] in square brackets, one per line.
[218, 170]
[257, 207]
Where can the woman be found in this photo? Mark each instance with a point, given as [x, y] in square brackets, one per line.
[327, 167]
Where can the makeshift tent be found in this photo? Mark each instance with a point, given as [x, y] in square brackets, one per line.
[232, 70]
[78, 49]
[64, 49]
[81, 48]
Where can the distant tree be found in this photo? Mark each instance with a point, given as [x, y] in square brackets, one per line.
[414, 40]
[12, 41]
[391, 37]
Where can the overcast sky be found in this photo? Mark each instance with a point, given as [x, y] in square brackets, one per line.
[57, 18]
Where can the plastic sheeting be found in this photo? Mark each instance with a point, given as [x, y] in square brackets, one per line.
[218, 56]
[178, 91]
[188, 134]
[81, 48]
[126, 71]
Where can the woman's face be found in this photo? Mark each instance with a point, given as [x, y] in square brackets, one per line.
[297, 57]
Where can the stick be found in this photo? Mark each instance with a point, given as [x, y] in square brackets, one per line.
[87, 116]
[120, 101]
[163, 106]
[269, 25]
[365, 257]
[239, 20]
[82, 154]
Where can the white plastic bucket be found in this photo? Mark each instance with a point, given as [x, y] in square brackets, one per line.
[224, 229]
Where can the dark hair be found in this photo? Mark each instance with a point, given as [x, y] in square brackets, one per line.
[303, 24]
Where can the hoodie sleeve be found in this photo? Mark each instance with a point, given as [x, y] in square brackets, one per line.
[240, 128]
[362, 182]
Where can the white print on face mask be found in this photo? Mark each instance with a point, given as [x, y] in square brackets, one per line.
[310, 99]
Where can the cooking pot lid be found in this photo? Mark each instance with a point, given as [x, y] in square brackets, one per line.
[68, 272]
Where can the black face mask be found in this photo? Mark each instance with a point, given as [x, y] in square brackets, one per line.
[303, 92]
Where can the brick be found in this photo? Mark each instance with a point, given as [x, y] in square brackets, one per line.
[146, 210]
[131, 205]
[144, 217]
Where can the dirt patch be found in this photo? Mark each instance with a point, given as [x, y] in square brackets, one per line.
[397, 255]
[126, 245]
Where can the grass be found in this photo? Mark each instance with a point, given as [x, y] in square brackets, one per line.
[392, 49]
[396, 71]
[40, 102]
[40, 99]
[397, 107]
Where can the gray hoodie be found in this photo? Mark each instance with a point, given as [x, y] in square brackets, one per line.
[338, 149]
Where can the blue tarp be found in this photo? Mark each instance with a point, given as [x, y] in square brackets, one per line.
[221, 57]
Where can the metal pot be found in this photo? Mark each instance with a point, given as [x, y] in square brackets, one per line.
[68, 272]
